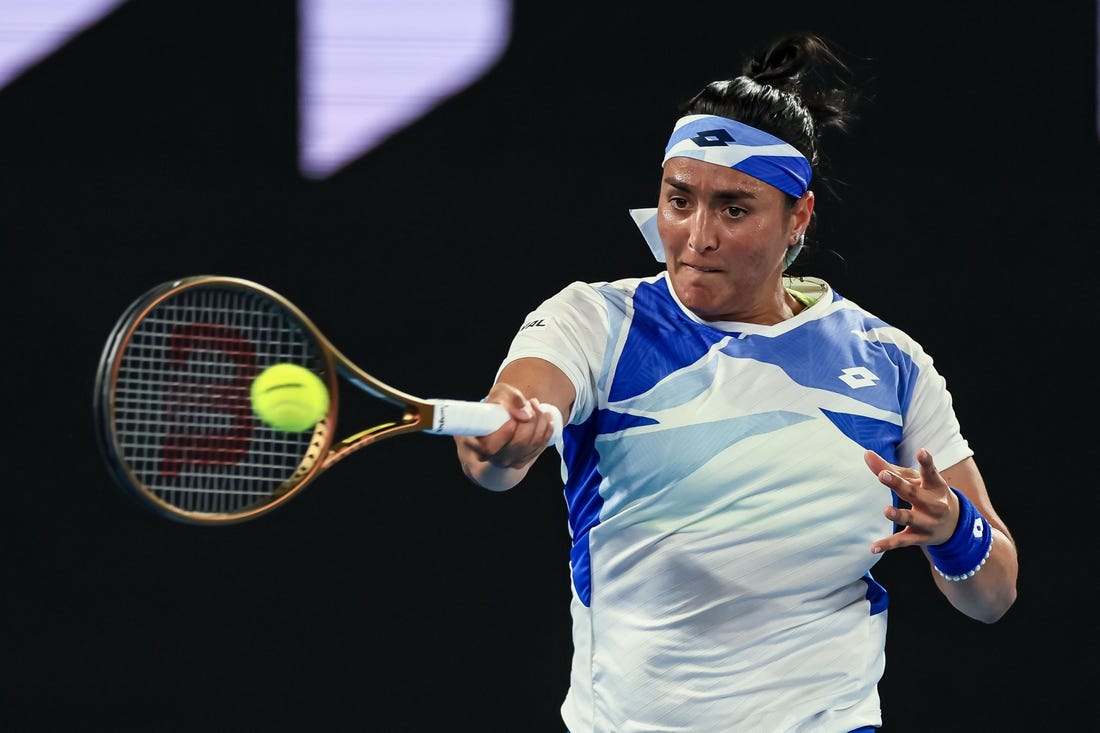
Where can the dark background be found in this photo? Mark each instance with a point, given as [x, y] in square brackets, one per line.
[393, 595]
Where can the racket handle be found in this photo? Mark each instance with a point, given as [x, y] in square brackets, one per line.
[459, 417]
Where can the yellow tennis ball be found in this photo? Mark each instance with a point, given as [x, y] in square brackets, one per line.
[289, 398]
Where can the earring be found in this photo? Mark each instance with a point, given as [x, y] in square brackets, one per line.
[793, 250]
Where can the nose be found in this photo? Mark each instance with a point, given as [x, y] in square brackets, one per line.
[702, 234]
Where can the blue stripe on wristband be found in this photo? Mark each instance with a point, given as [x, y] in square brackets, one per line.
[967, 550]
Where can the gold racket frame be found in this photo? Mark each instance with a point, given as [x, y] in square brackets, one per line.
[322, 453]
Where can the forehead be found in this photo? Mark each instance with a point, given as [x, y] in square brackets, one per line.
[698, 175]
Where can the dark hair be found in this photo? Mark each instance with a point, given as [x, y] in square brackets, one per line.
[786, 89]
[793, 89]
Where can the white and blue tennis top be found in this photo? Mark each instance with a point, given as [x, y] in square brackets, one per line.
[720, 509]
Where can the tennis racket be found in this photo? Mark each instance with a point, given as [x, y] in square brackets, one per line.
[172, 410]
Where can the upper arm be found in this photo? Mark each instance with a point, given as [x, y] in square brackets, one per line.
[542, 380]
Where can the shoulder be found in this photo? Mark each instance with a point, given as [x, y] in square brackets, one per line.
[899, 346]
[603, 294]
[626, 285]
[839, 314]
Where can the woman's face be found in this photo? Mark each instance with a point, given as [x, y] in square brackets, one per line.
[725, 234]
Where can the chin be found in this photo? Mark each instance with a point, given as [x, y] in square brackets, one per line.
[699, 303]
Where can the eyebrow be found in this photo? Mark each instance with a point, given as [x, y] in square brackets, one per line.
[734, 194]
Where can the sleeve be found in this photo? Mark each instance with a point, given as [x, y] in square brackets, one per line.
[569, 330]
[930, 421]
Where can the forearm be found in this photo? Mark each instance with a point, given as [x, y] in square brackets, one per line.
[987, 594]
[488, 475]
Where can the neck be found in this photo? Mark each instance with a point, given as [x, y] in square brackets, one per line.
[766, 309]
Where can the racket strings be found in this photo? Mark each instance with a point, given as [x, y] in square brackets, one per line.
[182, 415]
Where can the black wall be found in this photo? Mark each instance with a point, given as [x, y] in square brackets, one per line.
[393, 595]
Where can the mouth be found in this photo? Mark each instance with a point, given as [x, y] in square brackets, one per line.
[699, 268]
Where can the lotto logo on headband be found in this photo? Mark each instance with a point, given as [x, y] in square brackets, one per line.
[729, 143]
[713, 137]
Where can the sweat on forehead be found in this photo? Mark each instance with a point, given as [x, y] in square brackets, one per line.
[729, 143]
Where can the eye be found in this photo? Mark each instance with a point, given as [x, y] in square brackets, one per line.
[677, 202]
[735, 212]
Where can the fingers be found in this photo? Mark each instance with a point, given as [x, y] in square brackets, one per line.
[517, 404]
[924, 487]
[532, 428]
[914, 528]
[929, 499]
[886, 544]
[875, 462]
[520, 440]
[878, 465]
[930, 475]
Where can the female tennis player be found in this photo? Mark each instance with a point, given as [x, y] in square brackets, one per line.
[741, 444]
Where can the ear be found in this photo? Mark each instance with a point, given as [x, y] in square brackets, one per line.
[803, 213]
[800, 220]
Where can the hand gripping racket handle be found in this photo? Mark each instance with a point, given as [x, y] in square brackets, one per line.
[459, 417]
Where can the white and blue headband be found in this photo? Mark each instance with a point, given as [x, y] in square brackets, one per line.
[732, 144]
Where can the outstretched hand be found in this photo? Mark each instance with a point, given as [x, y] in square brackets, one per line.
[519, 441]
[934, 508]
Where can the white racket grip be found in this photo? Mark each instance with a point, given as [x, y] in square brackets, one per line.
[460, 417]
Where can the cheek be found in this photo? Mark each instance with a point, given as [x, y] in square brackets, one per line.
[672, 235]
